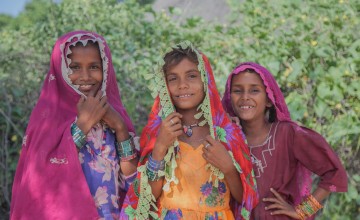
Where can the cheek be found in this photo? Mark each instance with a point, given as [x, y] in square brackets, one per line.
[73, 77]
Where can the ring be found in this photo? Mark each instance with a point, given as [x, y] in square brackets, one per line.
[172, 122]
[207, 145]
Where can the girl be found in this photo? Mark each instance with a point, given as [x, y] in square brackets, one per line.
[193, 160]
[77, 154]
[283, 153]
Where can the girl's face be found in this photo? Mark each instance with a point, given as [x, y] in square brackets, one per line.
[248, 97]
[185, 85]
[87, 68]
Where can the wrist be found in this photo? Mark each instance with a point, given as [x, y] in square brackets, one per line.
[83, 126]
[159, 152]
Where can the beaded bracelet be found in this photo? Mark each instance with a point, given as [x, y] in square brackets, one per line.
[153, 167]
[78, 136]
[126, 149]
[308, 207]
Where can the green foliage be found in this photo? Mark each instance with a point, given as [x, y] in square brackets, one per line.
[312, 48]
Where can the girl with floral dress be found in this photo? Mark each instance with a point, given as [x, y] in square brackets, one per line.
[78, 156]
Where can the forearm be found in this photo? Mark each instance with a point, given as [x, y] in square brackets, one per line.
[234, 182]
[129, 167]
[320, 194]
[156, 187]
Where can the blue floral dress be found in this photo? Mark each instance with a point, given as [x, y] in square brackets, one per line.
[101, 168]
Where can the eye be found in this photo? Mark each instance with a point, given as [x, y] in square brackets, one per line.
[74, 67]
[254, 90]
[237, 91]
[171, 78]
[94, 67]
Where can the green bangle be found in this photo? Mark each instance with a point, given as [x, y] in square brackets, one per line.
[126, 149]
[78, 136]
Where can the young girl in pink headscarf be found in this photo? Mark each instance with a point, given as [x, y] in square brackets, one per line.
[283, 153]
[78, 156]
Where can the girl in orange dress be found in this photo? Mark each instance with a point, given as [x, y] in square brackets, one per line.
[194, 163]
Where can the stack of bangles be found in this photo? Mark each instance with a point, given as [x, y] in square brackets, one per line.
[78, 136]
[126, 149]
[308, 207]
[153, 167]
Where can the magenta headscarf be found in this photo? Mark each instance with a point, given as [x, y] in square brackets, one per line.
[49, 182]
[282, 113]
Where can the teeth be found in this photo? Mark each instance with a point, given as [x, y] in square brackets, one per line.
[246, 107]
[183, 96]
[85, 86]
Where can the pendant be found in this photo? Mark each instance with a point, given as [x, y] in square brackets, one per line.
[188, 131]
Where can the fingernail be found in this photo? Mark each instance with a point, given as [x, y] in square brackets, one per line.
[271, 213]
[264, 199]
[265, 208]
[271, 189]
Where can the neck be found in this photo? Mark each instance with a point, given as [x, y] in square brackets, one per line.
[188, 117]
[255, 128]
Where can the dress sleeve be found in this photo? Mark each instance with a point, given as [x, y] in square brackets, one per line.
[314, 153]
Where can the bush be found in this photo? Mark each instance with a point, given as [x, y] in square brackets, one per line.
[312, 48]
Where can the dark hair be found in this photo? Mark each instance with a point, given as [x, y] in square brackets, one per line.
[272, 110]
[175, 56]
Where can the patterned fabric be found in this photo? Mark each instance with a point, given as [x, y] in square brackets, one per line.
[101, 166]
[195, 197]
[49, 182]
[139, 198]
[282, 113]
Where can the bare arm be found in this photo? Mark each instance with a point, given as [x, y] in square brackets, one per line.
[113, 119]
[170, 129]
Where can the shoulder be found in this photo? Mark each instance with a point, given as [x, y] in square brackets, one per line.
[299, 134]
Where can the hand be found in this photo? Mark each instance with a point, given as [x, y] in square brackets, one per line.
[279, 206]
[216, 154]
[113, 119]
[170, 129]
[235, 120]
[91, 110]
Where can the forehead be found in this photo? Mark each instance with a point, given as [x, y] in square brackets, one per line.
[184, 66]
[88, 50]
[246, 78]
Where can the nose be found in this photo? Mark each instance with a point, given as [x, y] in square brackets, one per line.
[244, 96]
[85, 74]
[183, 84]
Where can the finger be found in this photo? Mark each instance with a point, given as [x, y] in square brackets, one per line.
[81, 100]
[103, 101]
[92, 93]
[174, 114]
[236, 120]
[99, 94]
[175, 127]
[274, 206]
[178, 133]
[273, 200]
[280, 212]
[277, 195]
[175, 120]
[106, 106]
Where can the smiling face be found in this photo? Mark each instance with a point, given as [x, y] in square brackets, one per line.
[248, 97]
[86, 66]
[185, 85]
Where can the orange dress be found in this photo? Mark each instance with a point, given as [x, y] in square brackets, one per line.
[195, 196]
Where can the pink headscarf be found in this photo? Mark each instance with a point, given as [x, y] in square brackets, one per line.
[282, 113]
[272, 89]
[49, 182]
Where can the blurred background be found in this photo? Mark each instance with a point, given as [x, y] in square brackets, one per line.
[311, 47]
